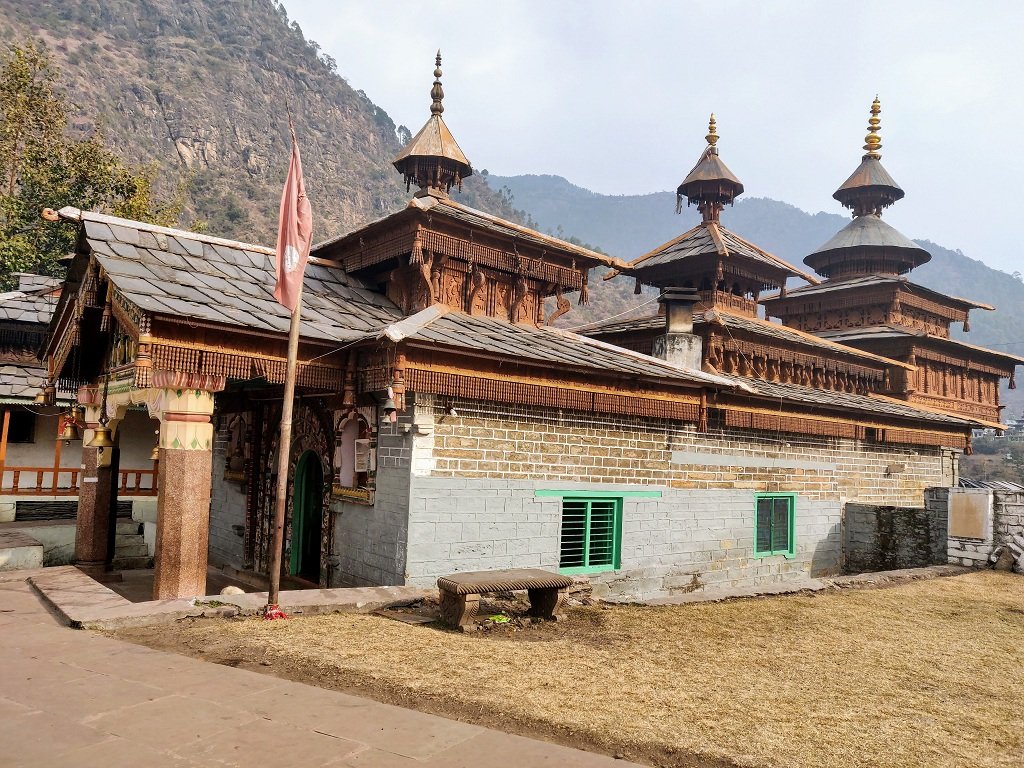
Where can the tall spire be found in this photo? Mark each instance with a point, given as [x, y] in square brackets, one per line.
[710, 185]
[432, 159]
[870, 189]
[437, 92]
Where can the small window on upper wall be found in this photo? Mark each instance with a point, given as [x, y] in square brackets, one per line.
[22, 427]
[775, 525]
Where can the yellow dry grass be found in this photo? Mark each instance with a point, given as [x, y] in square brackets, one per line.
[927, 673]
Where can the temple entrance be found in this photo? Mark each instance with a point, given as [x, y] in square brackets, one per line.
[307, 516]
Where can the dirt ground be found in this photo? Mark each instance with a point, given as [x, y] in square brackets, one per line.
[927, 673]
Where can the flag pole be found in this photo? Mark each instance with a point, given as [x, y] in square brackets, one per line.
[283, 454]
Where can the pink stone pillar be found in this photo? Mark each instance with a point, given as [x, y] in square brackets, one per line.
[184, 476]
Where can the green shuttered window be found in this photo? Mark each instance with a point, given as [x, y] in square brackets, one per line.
[591, 534]
[774, 525]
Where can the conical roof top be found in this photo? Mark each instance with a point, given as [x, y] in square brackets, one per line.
[870, 188]
[867, 245]
[432, 158]
[710, 185]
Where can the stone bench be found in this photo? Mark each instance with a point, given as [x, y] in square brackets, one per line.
[460, 593]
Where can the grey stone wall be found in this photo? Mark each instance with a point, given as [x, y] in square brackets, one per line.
[881, 538]
[227, 510]
[685, 540]
[1007, 520]
[370, 541]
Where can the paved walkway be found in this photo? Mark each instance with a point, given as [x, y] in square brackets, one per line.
[74, 698]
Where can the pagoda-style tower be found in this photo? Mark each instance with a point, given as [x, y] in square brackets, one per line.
[438, 252]
[727, 271]
[865, 302]
[710, 280]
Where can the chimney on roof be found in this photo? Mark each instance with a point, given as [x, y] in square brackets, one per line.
[680, 345]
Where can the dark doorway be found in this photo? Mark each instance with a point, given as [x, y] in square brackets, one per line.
[307, 516]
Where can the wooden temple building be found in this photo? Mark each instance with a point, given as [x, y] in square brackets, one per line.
[444, 424]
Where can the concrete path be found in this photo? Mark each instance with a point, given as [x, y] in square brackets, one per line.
[74, 698]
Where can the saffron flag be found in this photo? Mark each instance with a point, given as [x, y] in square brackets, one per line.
[295, 232]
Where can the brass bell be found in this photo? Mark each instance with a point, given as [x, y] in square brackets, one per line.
[40, 398]
[69, 433]
[154, 455]
[101, 438]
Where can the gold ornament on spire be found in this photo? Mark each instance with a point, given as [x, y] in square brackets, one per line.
[436, 92]
[712, 136]
[873, 142]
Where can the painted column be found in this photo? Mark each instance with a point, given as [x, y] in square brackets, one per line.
[92, 524]
[184, 405]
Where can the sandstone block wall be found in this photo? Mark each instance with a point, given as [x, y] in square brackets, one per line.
[881, 538]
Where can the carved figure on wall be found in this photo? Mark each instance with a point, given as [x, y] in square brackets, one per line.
[477, 296]
[436, 272]
[562, 306]
[519, 293]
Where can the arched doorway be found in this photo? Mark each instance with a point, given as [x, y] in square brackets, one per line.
[307, 517]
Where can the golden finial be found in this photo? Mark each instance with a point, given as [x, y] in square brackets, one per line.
[712, 136]
[437, 93]
[872, 142]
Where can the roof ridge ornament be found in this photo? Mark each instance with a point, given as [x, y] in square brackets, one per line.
[873, 142]
[710, 185]
[436, 91]
[712, 137]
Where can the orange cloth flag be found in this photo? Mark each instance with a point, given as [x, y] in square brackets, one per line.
[295, 233]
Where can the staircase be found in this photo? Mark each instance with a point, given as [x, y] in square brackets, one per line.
[130, 550]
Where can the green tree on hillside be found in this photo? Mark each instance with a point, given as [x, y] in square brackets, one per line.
[42, 167]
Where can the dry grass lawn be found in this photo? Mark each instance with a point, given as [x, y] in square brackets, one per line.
[926, 673]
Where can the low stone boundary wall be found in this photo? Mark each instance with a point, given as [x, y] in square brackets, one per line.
[880, 538]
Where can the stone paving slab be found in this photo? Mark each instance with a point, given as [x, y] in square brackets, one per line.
[19, 551]
[80, 700]
[82, 602]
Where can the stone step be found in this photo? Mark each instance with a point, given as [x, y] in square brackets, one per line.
[128, 526]
[132, 563]
[131, 550]
[128, 538]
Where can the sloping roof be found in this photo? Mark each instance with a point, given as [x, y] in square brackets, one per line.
[549, 346]
[183, 274]
[754, 325]
[479, 220]
[869, 174]
[22, 307]
[882, 406]
[867, 281]
[994, 485]
[872, 235]
[709, 238]
[434, 140]
[877, 332]
[20, 383]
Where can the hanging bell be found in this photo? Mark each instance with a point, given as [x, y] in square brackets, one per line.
[390, 410]
[40, 398]
[154, 455]
[101, 438]
[70, 432]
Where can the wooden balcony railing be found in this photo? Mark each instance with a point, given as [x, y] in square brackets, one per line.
[65, 481]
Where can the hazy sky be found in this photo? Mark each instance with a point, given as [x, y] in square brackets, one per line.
[615, 96]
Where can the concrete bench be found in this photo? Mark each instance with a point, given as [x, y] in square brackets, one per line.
[460, 593]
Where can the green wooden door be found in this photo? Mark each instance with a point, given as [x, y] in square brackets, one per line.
[307, 513]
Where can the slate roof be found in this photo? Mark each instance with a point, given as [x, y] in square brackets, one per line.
[445, 206]
[753, 325]
[877, 405]
[871, 235]
[22, 307]
[457, 330]
[708, 238]
[20, 383]
[895, 332]
[866, 281]
[183, 274]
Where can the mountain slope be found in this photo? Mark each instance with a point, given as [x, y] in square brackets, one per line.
[202, 88]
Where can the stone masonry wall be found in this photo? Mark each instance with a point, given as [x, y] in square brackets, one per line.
[1007, 520]
[227, 509]
[475, 476]
[370, 541]
[881, 538]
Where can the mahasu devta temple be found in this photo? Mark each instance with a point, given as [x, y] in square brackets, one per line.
[443, 423]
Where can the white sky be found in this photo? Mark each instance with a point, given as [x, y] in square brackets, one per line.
[615, 95]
